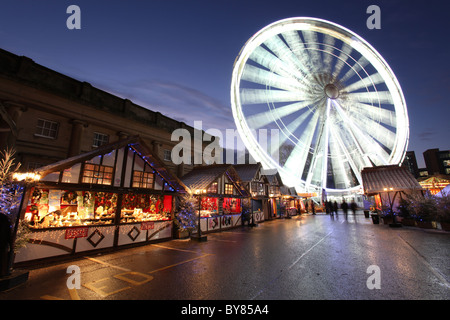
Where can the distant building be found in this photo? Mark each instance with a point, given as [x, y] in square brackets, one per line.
[437, 162]
[410, 163]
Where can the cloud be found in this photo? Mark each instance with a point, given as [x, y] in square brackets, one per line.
[178, 102]
[427, 135]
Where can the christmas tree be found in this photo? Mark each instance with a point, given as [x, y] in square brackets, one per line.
[186, 218]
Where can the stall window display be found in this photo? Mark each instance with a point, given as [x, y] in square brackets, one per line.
[231, 205]
[209, 206]
[145, 207]
[51, 208]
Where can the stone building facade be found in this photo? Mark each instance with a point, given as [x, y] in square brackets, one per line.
[47, 116]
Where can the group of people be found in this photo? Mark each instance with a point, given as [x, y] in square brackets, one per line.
[332, 207]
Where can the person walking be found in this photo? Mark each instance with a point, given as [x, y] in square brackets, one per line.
[344, 207]
[353, 207]
[335, 207]
[313, 209]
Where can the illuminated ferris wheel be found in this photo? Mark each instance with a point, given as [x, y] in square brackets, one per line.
[334, 101]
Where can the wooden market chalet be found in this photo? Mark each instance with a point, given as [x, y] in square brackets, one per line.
[116, 195]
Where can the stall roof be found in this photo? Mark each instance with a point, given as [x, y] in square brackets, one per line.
[273, 177]
[134, 142]
[202, 176]
[376, 179]
[249, 172]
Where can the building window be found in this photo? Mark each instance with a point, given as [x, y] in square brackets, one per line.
[47, 128]
[167, 155]
[423, 173]
[97, 174]
[228, 188]
[212, 188]
[100, 139]
[143, 179]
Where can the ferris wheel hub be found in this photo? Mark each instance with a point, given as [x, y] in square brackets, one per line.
[331, 91]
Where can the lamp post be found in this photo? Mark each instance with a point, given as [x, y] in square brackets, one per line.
[199, 236]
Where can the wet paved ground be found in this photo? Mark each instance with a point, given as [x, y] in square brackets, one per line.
[306, 257]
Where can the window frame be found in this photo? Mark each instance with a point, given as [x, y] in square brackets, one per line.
[40, 130]
[141, 178]
[102, 141]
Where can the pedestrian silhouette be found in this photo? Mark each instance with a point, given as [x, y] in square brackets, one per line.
[353, 207]
[344, 207]
[335, 207]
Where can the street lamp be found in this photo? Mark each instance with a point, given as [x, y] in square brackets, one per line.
[199, 236]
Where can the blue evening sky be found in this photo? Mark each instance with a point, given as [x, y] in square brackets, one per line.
[176, 56]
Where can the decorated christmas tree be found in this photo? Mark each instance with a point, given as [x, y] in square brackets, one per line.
[185, 218]
[10, 195]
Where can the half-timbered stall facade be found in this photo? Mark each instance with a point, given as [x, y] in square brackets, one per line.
[258, 186]
[116, 195]
[222, 196]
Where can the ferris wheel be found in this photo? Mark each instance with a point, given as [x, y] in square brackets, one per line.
[328, 102]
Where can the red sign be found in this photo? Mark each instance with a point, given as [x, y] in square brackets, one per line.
[80, 232]
[147, 225]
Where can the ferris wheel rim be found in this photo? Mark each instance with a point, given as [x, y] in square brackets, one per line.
[347, 37]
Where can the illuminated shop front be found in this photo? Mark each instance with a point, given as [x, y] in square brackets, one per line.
[221, 193]
[275, 195]
[258, 185]
[119, 194]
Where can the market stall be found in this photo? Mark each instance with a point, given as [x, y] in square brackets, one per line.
[118, 194]
[388, 185]
[258, 186]
[221, 195]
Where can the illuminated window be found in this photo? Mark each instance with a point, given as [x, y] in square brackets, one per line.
[143, 179]
[228, 188]
[213, 188]
[97, 174]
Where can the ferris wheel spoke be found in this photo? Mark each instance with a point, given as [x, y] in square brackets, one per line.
[262, 119]
[383, 97]
[256, 96]
[355, 133]
[343, 147]
[293, 126]
[311, 42]
[297, 159]
[358, 66]
[328, 52]
[365, 143]
[375, 131]
[319, 158]
[375, 113]
[267, 78]
[284, 53]
[298, 48]
[366, 82]
[274, 64]
[341, 176]
[342, 59]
